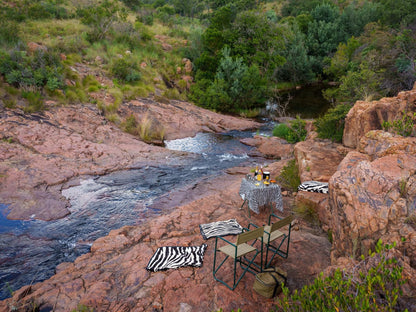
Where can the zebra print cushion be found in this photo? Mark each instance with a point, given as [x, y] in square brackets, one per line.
[172, 257]
[314, 186]
[220, 228]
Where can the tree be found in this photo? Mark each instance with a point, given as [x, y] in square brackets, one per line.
[213, 38]
[397, 12]
[257, 40]
[102, 17]
[296, 7]
[354, 18]
[363, 84]
[342, 61]
[331, 125]
[236, 86]
[324, 34]
[297, 68]
[188, 8]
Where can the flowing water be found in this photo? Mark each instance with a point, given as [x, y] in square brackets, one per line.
[31, 250]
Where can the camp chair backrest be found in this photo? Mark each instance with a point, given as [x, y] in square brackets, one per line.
[281, 223]
[250, 235]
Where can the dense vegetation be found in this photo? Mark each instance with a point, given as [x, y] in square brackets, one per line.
[242, 52]
[373, 285]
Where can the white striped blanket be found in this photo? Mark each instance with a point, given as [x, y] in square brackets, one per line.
[314, 186]
[220, 228]
[172, 257]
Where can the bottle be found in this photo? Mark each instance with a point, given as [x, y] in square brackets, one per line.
[259, 176]
[256, 172]
[267, 180]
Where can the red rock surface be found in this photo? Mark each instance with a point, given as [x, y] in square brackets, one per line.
[182, 119]
[365, 116]
[270, 147]
[318, 160]
[372, 195]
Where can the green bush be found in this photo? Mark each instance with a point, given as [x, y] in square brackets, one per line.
[282, 131]
[45, 10]
[42, 69]
[374, 286]
[289, 176]
[125, 33]
[101, 18]
[35, 102]
[292, 133]
[236, 86]
[34, 10]
[403, 126]
[331, 125]
[130, 125]
[8, 32]
[126, 70]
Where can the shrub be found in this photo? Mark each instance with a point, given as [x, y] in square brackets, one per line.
[236, 86]
[73, 95]
[282, 131]
[249, 113]
[149, 129]
[331, 125]
[42, 69]
[101, 18]
[8, 32]
[289, 176]
[374, 285]
[125, 33]
[35, 102]
[10, 102]
[293, 133]
[403, 126]
[146, 19]
[307, 212]
[130, 125]
[126, 70]
[46, 10]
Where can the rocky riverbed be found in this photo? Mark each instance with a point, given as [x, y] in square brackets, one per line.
[41, 153]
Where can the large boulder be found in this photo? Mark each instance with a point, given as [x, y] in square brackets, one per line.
[270, 147]
[318, 159]
[365, 116]
[373, 196]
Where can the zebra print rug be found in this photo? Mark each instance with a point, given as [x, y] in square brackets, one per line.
[314, 186]
[173, 257]
[220, 228]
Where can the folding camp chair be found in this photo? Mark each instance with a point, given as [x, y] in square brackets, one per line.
[276, 239]
[240, 252]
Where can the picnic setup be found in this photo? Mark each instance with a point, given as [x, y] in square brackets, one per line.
[244, 249]
[239, 249]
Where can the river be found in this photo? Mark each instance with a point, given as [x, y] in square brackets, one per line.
[31, 250]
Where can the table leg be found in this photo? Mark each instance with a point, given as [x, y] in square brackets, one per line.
[248, 207]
